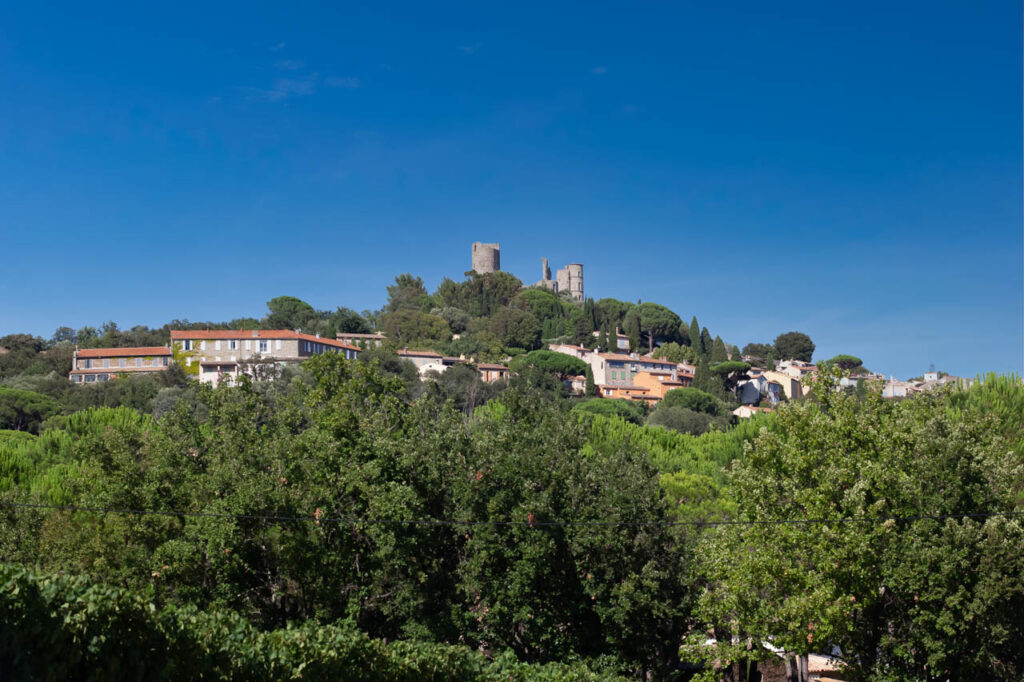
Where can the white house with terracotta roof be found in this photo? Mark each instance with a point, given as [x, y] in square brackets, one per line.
[91, 365]
[225, 353]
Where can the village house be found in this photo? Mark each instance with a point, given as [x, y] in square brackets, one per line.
[491, 372]
[375, 340]
[621, 340]
[748, 411]
[225, 353]
[90, 365]
[425, 360]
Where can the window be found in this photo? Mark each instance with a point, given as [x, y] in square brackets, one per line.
[248, 345]
[202, 345]
[307, 346]
[186, 344]
[279, 344]
[106, 363]
[232, 345]
[166, 361]
[78, 378]
[216, 344]
[88, 363]
[263, 346]
[102, 377]
[89, 379]
[123, 362]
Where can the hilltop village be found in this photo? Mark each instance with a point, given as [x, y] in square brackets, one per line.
[498, 327]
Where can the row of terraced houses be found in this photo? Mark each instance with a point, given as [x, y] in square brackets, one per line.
[212, 354]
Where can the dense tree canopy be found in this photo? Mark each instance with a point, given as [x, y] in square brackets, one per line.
[794, 346]
[925, 598]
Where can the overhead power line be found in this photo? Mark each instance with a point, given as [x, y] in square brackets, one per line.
[321, 519]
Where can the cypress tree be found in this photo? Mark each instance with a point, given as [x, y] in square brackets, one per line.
[590, 389]
[633, 330]
[695, 336]
[602, 340]
[705, 342]
[702, 376]
[770, 361]
[718, 353]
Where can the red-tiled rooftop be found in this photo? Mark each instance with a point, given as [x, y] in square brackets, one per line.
[140, 351]
[488, 365]
[243, 334]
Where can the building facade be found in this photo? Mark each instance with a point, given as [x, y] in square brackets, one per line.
[226, 353]
[90, 365]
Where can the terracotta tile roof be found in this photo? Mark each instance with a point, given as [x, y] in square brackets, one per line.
[405, 352]
[656, 361]
[141, 351]
[375, 335]
[491, 366]
[243, 334]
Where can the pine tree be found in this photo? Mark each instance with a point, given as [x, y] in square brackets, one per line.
[602, 341]
[705, 342]
[590, 389]
[718, 353]
[770, 362]
[695, 336]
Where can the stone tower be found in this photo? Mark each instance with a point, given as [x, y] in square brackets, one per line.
[570, 279]
[486, 257]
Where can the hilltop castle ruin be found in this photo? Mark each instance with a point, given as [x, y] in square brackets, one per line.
[569, 279]
[486, 257]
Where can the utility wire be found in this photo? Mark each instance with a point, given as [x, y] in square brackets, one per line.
[528, 523]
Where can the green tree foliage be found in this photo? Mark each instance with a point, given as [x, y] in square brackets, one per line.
[696, 400]
[718, 352]
[758, 350]
[407, 293]
[658, 324]
[794, 346]
[694, 335]
[921, 598]
[411, 327]
[684, 420]
[66, 627]
[675, 352]
[706, 342]
[611, 313]
[845, 362]
[458, 320]
[632, 329]
[542, 303]
[516, 328]
[560, 364]
[479, 295]
[342, 441]
[24, 410]
[288, 312]
[589, 388]
[630, 410]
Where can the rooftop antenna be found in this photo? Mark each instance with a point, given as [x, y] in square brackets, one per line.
[931, 367]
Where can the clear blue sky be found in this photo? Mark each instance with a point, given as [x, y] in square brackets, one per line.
[852, 171]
